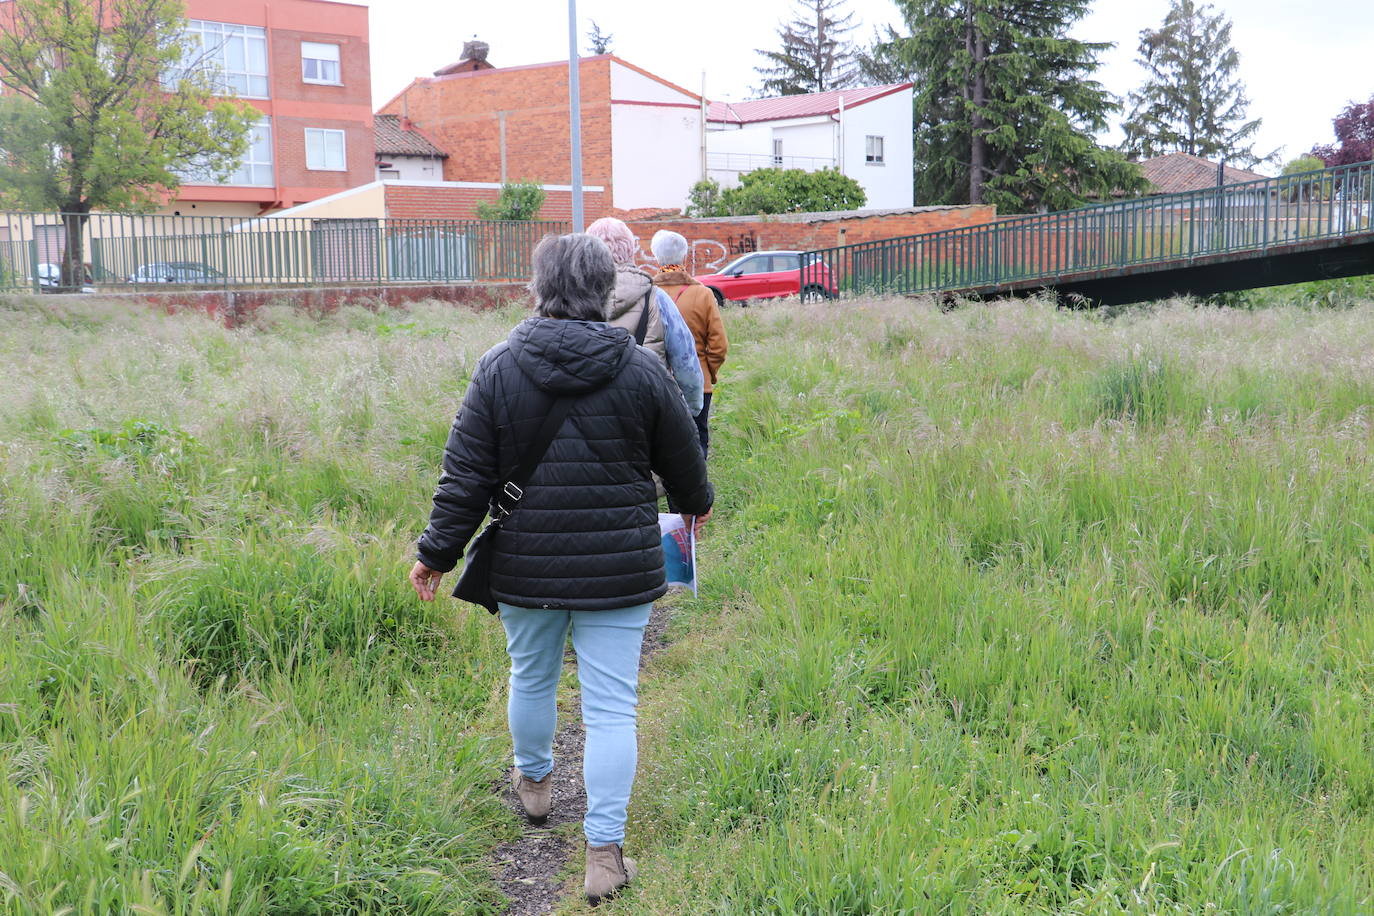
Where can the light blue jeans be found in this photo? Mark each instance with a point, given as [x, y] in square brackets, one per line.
[607, 645]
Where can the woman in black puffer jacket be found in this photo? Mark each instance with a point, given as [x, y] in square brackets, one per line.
[581, 551]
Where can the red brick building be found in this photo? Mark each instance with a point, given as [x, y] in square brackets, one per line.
[642, 136]
[305, 65]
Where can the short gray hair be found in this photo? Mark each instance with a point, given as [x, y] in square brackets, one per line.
[573, 277]
[668, 247]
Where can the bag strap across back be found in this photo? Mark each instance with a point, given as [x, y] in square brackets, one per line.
[512, 488]
[642, 331]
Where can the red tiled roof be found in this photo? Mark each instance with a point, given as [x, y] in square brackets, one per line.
[1175, 172]
[393, 139]
[797, 106]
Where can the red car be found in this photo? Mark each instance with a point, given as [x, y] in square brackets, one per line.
[765, 274]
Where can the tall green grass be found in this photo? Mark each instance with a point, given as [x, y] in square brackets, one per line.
[1013, 610]
[217, 693]
[1007, 610]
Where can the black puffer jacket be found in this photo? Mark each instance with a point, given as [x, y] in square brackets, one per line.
[585, 535]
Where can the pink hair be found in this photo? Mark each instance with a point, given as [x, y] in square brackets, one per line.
[618, 237]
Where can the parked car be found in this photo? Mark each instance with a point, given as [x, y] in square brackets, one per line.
[48, 278]
[176, 272]
[765, 274]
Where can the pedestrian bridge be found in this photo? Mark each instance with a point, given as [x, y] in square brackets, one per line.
[1313, 226]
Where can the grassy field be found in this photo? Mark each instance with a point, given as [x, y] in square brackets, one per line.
[1008, 610]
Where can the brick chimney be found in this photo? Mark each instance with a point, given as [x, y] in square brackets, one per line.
[474, 58]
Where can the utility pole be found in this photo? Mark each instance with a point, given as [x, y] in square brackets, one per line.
[575, 116]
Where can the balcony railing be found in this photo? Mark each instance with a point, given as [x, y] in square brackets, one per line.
[747, 162]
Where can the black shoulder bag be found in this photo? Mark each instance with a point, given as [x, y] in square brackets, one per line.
[474, 584]
[643, 330]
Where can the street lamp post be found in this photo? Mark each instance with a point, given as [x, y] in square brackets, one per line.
[575, 118]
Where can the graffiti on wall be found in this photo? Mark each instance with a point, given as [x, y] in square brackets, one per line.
[709, 255]
[743, 244]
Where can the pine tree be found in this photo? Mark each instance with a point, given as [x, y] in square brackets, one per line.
[815, 55]
[599, 40]
[1006, 110]
[1191, 100]
[884, 62]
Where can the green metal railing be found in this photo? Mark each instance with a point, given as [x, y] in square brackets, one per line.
[1248, 216]
[124, 251]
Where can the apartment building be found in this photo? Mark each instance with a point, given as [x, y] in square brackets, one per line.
[305, 65]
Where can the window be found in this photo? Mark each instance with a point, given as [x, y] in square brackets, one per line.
[235, 54]
[759, 264]
[320, 63]
[873, 150]
[777, 152]
[255, 168]
[324, 150]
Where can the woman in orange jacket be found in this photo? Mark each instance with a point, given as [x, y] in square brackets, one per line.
[698, 307]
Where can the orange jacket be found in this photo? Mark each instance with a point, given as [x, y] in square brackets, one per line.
[699, 309]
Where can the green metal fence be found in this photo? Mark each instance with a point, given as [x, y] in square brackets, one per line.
[124, 251]
[1249, 216]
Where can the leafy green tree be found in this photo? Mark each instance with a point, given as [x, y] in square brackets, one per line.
[107, 106]
[816, 56]
[1192, 101]
[1303, 188]
[1006, 109]
[518, 200]
[765, 191]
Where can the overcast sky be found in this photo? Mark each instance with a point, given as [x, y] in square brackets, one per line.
[1300, 63]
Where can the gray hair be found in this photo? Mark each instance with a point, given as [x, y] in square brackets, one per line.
[573, 277]
[668, 247]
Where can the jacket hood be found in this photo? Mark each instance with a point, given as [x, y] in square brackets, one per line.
[631, 284]
[674, 278]
[570, 357]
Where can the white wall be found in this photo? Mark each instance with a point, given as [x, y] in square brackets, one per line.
[888, 186]
[655, 147]
[655, 155]
[733, 149]
[807, 143]
[631, 84]
[413, 168]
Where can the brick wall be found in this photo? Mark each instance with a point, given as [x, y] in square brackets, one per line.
[463, 113]
[461, 203]
[716, 242]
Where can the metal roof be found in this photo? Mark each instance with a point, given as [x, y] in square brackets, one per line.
[797, 106]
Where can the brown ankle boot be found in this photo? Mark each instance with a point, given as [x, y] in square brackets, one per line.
[536, 797]
[607, 871]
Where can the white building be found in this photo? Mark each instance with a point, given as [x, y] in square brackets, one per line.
[404, 152]
[865, 133]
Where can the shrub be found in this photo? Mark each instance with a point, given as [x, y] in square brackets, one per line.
[519, 200]
[705, 199]
[793, 191]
